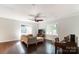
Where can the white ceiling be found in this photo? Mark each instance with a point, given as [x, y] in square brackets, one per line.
[51, 11]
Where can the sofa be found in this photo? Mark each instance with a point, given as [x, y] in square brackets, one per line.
[30, 39]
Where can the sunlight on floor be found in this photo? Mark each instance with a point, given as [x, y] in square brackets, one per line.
[50, 48]
[20, 47]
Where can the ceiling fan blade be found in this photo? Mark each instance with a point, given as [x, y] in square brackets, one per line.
[37, 20]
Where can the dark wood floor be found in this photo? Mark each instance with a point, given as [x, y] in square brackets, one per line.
[16, 47]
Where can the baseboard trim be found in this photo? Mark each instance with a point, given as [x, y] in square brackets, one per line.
[9, 41]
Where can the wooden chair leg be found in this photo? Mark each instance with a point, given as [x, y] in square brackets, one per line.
[55, 50]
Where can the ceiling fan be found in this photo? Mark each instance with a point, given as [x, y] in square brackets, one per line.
[37, 17]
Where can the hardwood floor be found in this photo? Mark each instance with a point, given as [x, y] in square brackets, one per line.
[42, 48]
[16, 47]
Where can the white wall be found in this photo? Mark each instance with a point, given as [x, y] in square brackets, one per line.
[11, 29]
[68, 25]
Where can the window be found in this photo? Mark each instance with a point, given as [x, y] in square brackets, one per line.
[23, 29]
[51, 30]
[26, 29]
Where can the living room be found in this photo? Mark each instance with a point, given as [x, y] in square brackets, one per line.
[34, 27]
